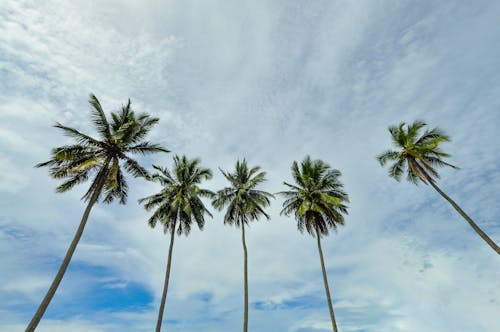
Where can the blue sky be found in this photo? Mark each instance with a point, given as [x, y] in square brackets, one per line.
[269, 81]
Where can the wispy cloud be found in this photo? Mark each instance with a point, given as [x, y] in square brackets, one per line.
[271, 81]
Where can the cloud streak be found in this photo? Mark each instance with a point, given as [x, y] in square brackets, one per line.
[271, 82]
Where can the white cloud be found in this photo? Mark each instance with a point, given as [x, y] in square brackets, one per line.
[269, 81]
[11, 180]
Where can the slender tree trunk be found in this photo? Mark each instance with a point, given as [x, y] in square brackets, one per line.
[478, 230]
[64, 265]
[325, 280]
[167, 277]
[245, 318]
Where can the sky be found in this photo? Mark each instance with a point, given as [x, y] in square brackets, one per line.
[272, 82]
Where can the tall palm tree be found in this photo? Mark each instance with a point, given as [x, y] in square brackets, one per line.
[244, 203]
[317, 200]
[101, 159]
[418, 156]
[178, 204]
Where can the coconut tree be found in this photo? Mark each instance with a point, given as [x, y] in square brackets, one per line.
[177, 206]
[244, 203]
[103, 160]
[317, 200]
[418, 156]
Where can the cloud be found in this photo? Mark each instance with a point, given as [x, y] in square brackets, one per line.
[270, 82]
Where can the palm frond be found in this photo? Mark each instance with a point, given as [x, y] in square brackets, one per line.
[76, 179]
[67, 168]
[80, 137]
[386, 156]
[439, 162]
[398, 135]
[145, 123]
[397, 169]
[134, 169]
[413, 130]
[433, 134]
[179, 199]
[146, 147]
[116, 186]
[99, 118]
[317, 196]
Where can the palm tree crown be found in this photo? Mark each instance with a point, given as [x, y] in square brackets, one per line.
[101, 157]
[180, 198]
[418, 156]
[317, 199]
[244, 202]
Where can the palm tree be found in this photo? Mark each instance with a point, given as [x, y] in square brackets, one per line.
[418, 156]
[178, 204]
[317, 199]
[244, 203]
[101, 159]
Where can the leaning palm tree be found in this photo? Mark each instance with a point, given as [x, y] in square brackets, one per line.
[101, 159]
[244, 203]
[418, 156]
[317, 200]
[178, 204]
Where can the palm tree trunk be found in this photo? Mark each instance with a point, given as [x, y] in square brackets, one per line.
[325, 280]
[167, 277]
[64, 265]
[245, 319]
[478, 230]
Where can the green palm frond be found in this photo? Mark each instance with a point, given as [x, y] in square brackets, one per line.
[115, 186]
[439, 162]
[66, 168]
[413, 130]
[412, 177]
[80, 137]
[119, 119]
[432, 135]
[386, 156]
[134, 169]
[243, 202]
[99, 118]
[417, 156]
[78, 178]
[146, 147]
[144, 126]
[317, 199]
[125, 132]
[397, 169]
[179, 201]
